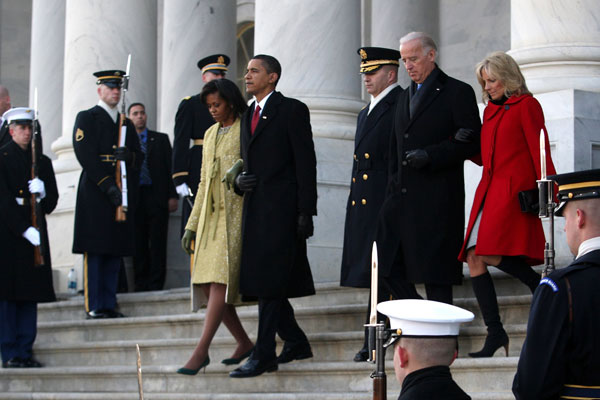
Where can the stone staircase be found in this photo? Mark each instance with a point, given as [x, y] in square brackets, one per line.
[87, 360]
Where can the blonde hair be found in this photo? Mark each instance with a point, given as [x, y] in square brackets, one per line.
[502, 67]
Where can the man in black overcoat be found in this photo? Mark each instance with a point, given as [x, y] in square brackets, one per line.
[561, 354]
[421, 223]
[98, 236]
[379, 67]
[156, 199]
[22, 283]
[4, 106]
[191, 121]
[279, 183]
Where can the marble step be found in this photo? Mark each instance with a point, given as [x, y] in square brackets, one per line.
[493, 375]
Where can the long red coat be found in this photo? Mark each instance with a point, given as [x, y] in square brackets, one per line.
[510, 153]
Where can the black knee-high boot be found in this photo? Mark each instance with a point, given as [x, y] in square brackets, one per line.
[483, 286]
[517, 267]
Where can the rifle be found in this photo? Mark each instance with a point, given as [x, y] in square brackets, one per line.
[37, 216]
[377, 336]
[121, 168]
[547, 205]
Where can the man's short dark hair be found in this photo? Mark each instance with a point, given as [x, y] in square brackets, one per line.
[133, 105]
[270, 63]
[228, 91]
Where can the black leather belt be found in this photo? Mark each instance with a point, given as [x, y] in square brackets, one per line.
[107, 158]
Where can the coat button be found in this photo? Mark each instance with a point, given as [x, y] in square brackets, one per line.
[353, 203]
[355, 158]
[367, 156]
[363, 201]
[406, 136]
[405, 163]
[353, 180]
[21, 191]
[365, 177]
[404, 190]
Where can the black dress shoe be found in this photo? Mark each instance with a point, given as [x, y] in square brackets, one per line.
[113, 314]
[254, 368]
[96, 314]
[31, 363]
[292, 352]
[362, 355]
[14, 362]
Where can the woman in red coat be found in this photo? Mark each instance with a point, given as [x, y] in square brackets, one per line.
[499, 233]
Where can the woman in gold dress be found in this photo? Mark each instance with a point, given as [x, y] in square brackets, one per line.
[215, 227]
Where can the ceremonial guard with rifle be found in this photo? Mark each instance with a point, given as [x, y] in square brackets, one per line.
[561, 354]
[107, 147]
[191, 121]
[28, 192]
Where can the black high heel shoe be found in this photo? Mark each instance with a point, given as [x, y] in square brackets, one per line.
[492, 343]
[189, 371]
[232, 361]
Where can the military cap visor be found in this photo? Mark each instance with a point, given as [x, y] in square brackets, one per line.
[216, 63]
[110, 78]
[373, 58]
[580, 185]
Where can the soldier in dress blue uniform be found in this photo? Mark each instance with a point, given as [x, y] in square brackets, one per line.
[97, 235]
[561, 354]
[22, 283]
[379, 67]
[191, 121]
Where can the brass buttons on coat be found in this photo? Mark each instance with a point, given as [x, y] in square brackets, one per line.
[367, 156]
[365, 177]
[363, 201]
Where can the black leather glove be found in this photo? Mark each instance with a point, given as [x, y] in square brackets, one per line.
[305, 227]
[245, 182]
[417, 158]
[114, 195]
[123, 154]
[464, 135]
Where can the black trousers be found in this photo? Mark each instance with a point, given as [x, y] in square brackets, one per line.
[275, 316]
[151, 227]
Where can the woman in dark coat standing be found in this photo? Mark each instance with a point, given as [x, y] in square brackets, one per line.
[499, 233]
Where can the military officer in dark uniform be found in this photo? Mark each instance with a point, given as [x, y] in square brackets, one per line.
[379, 67]
[191, 121]
[4, 106]
[98, 236]
[561, 354]
[425, 338]
[22, 284]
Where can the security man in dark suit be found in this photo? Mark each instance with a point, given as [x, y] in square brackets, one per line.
[157, 198]
[4, 106]
[279, 183]
[379, 67]
[97, 234]
[421, 223]
[22, 283]
[561, 354]
[191, 121]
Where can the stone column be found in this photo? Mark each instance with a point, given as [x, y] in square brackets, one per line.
[557, 45]
[98, 35]
[316, 44]
[47, 63]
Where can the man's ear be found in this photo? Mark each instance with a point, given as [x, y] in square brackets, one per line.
[581, 217]
[403, 356]
[454, 357]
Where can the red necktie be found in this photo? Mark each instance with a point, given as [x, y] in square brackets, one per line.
[255, 119]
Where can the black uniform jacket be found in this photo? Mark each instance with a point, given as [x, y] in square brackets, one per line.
[158, 157]
[4, 134]
[282, 156]
[431, 383]
[562, 345]
[191, 121]
[20, 280]
[421, 223]
[367, 189]
[96, 231]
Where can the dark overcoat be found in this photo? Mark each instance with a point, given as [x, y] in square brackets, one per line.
[432, 383]
[94, 136]
[562, 345]
[4, 135]
[158, 157]
[20, 280]
[282, 156]
[367, 189]
[421, 223]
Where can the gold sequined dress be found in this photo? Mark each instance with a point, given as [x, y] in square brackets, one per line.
[217, 217]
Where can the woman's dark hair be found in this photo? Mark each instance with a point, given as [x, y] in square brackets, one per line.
[228, 91]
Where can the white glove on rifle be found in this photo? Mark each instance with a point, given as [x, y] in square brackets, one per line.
[36, 185]
[183, 190]
[33, 235]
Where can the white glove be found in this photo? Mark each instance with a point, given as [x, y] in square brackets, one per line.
[33, 235]
[183, 190]
[36, 185]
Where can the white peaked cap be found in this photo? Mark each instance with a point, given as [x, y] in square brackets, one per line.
[424, 317]
[18, 113]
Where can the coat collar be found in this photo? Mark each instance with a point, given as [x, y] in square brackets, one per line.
[431, 90]
[268, 113]
[366, 121]
[492, 109]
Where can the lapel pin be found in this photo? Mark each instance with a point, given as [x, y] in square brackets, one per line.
[264, 117]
